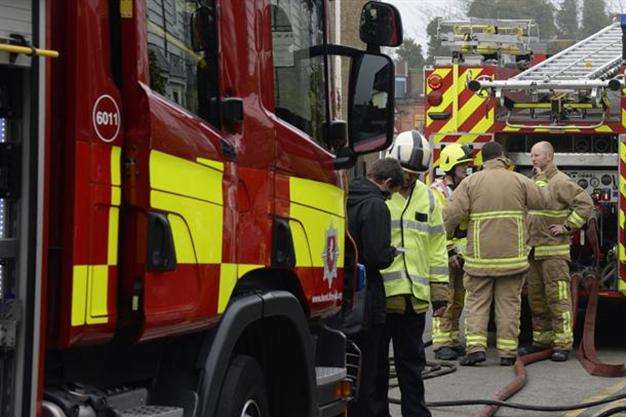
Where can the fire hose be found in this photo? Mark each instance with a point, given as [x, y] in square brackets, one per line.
[586, 355]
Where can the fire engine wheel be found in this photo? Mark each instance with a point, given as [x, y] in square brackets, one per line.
[243, 393]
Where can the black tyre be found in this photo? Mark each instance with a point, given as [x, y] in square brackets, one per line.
[243, 393]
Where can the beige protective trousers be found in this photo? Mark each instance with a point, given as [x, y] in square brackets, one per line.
[446, 327]
[506, 293]
[550, 303]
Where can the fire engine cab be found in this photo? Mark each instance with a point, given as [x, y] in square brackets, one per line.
[172, 223]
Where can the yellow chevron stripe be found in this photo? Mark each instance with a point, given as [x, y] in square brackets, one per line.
[604, 129]
[622, 253]
[485, 123]
[463, 114]
[621, 218]
[622, 151]
[623, 110]
[511, 129]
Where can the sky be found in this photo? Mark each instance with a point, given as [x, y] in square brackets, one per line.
[417, 13]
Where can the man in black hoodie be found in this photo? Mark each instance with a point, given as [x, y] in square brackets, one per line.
[369, 223]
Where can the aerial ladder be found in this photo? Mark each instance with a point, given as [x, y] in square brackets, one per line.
[575, 83]
[488, 39]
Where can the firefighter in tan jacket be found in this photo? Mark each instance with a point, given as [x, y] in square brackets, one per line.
[495, 201]
[549, 230]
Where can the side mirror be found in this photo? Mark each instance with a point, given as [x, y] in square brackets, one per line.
[381, 25]
[371, 103]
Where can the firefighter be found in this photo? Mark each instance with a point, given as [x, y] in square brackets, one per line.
[417, 276]
[494, 201]
[369, 223]
[454, 161]
[549, 237]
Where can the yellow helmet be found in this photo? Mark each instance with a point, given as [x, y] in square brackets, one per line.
[453, 155]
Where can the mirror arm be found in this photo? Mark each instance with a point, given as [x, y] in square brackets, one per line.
[328, 49]
[345, 159]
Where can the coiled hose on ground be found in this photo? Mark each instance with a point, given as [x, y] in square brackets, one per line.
[518, 383]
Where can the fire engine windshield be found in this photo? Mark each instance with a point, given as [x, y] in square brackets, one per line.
[299, 78]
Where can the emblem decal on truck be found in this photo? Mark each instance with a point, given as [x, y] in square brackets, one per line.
[330, 256]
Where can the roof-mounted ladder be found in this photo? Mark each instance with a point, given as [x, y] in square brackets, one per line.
[587, 65]
[565, 83]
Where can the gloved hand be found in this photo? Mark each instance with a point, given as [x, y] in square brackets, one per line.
[455, 262]
[439, 306]
[439, 294]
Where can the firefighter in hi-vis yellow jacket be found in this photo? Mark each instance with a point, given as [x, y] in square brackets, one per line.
[495, 200]
[454, 161]
[569, 207]
[416, 278]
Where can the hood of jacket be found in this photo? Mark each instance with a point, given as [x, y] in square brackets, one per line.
[362, 189]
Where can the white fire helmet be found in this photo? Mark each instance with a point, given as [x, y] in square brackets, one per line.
[412, 150]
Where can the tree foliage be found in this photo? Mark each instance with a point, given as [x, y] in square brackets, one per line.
[541, 11]
[567, 19]
[594, 17]
[434, 45]
[411, 52]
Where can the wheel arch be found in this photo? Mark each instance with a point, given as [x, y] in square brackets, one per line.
[245, 317]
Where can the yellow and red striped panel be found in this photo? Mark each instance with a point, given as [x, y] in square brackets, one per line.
[621, 216]
[604, 129]
[469, 113]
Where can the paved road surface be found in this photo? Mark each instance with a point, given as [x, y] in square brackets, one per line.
[549, 383]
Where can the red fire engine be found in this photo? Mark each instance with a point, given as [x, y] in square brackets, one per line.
[493, 87]
[172, 222]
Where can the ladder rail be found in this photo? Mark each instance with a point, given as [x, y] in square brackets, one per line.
[545, 65]
[611, 65]
[580, 59]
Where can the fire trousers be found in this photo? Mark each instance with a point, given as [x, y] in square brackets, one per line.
[506, 293]
[446, 328]
[550, 303]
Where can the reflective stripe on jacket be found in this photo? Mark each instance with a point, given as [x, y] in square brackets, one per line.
[458, 241]
[568, 204]
[417, 226]
[495, 201]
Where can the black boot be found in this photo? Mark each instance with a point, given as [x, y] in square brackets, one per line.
[527, 350]
[507, 361]
[459, 349]
[472, 359]
[560, 355]
[446, 354]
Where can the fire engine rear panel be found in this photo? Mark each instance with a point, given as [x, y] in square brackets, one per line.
[590, 154]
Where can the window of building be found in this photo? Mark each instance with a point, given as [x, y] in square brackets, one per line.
[183, 52]
[299, 79]
[400, 86]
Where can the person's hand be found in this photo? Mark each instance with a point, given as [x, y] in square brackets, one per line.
[439, 307]
[537, 170]
[455, 262]
[558, 230]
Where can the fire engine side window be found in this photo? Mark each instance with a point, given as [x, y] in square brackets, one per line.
[184, 72]
[299, 79]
